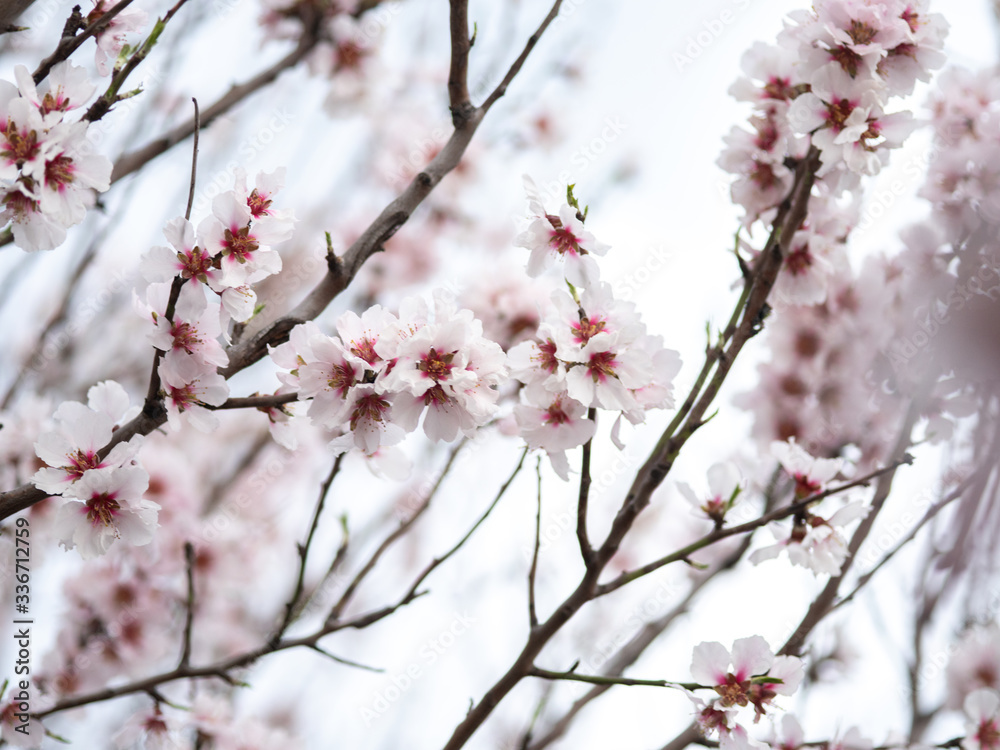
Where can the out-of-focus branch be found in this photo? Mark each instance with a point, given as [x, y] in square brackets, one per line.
[458, 77]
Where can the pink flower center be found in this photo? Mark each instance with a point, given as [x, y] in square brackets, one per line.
[547, 357]
[59, 172]
[799, 261]
[861, 33]
[241, 244]
[602, 365]
[436, 366]
[341, 378]
[183, 397]
[369, 408]
[102, 509]
[988, 734]
[763, 175]
[20, 147]
[365, 349]
[837, 113]
[586, 329]
[194, 264]
[767, 135]
[80, 462]
[52, 103]
[564, 241]
[555, 415]
[258, 204]
[778, 88]
[804, 486]
[733, 691]
[21, 205]
[436, 396]
[847, 58]
[185, 337]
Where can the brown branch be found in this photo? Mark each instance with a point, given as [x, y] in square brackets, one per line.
[257, 402]
[822, 605]
[586, 551]
[303, 550]
[654, 470]
[718, 534]
[69, 44]
[532, 613]
[189, 608]
[458, 77]
[397, 533]
[221, 669]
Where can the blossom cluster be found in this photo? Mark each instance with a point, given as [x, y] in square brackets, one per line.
[105, 493]
[383, 372]
[592, 352]
[826, 83]
[48, 168]
[230, 251]
[813, 542]
[749, 675]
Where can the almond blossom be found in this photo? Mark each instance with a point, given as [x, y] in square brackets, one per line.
[747, 682]
[553, 422]
[811, 475]
[106, 505]
[72, 449]
[982, 730]
[724, 485]
[553, 237]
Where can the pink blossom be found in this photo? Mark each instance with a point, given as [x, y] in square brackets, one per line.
[105, 505]
[982, 730]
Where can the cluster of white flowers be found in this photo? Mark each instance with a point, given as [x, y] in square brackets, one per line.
[229, 253]
[383, 372]
[48, 168]
[592, 352]
[750, 675]
[105, 495]
[813, 542]
[826, 83]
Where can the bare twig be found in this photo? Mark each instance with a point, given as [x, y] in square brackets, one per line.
[546, 674]
[194, 159]
[403, 527]
[189, 608]
[586, 551]
[303, 550]
[69, 44]
[532, 613]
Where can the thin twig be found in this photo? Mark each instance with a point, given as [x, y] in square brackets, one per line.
[189, 561]
[404, 526]
[69, 44]
[546, 674]
[532, 613]
[194, 159]
[303, 550]
[586, 551]
[718, 534]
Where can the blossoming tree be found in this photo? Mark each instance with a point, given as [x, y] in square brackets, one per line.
[332, 441]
